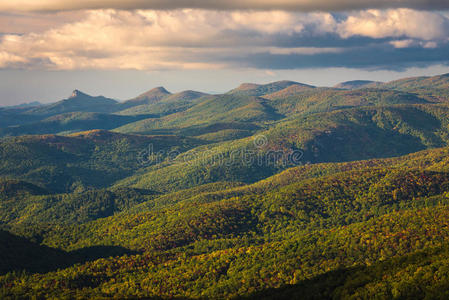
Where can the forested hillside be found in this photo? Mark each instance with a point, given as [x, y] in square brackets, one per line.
[269, 191]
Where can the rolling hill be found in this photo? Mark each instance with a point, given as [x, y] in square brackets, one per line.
[342, 135]
[87, 159]
[210, 110]
[370, 219]
[270, 191]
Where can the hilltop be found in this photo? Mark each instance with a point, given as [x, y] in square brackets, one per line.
[251, 89]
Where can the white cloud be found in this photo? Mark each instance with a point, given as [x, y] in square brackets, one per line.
[403, 43]
[266, 22]
[145, 39]
[396, 23]
[37, 22]
[10, 59]
[201, 39]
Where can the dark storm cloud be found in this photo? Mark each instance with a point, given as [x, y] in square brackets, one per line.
[384, 57]
[308, 39]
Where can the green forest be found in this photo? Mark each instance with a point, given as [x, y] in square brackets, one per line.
[273, 191]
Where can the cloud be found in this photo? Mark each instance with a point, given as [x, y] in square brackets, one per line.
[303, 50]
[413, 43]
[147, 39]
[20, 23]
[289, 5]
[202, 39]
[380, 57]
[396, 23]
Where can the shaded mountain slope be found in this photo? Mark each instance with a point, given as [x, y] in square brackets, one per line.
[19, 254]
[77, 102]
[87, 159]
[212, 109]
[71, 122]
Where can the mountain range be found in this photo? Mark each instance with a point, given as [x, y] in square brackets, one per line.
[276, 191]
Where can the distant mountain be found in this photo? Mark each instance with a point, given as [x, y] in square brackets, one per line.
[24, 105]
[434, 88]
[77, 102]
[16, 116]
[307, 101]
[355, 84]
[251, 89]
[168, 104]
[71, 122]
[289, 91]
[184, 96]
[150, 97]
[228, 108]
[438, 81]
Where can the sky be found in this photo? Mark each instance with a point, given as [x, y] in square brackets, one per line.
[120, 49]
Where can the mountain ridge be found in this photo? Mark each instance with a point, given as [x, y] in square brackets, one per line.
[277, 190]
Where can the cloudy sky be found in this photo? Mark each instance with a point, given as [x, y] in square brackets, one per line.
[121, 48]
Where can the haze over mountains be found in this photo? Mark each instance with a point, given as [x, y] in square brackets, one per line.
[284, 97]
[281, 190]
[355, 84]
